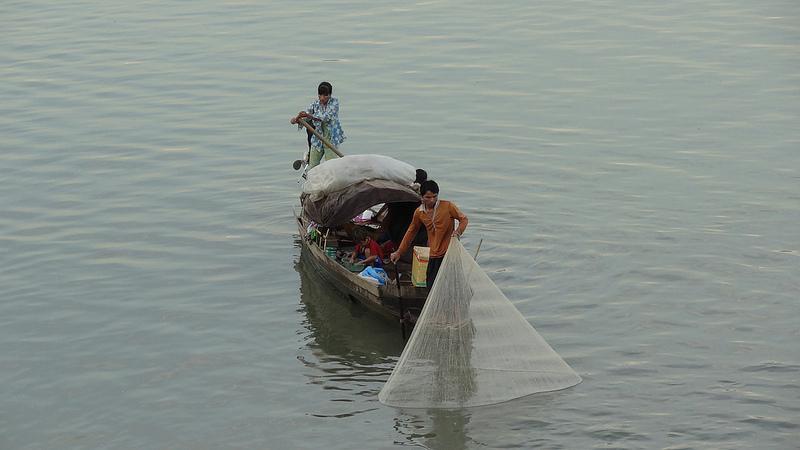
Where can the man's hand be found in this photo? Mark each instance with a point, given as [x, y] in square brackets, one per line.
[394, 257]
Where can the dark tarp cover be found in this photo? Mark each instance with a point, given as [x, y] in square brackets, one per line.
[341, 206]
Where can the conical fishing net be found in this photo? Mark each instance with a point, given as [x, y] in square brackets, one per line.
[471, 346]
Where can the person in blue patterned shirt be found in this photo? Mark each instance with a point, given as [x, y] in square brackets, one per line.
[324, 116]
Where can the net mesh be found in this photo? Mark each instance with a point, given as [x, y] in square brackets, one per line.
[471, 346]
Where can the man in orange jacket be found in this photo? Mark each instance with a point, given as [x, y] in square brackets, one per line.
[438, 217]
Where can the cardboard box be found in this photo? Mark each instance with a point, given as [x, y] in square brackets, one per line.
[419, 266]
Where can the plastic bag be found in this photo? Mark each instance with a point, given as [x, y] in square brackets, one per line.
[374, 275]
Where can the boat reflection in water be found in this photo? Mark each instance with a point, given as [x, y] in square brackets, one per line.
[349, 349]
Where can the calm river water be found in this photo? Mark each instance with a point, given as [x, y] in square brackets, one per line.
[633, 169]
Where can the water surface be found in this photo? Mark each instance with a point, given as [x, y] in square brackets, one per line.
[632, 169]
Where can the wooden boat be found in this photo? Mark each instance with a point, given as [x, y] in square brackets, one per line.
[384, 300]
[327, 229]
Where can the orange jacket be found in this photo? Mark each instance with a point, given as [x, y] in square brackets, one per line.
[439, 223]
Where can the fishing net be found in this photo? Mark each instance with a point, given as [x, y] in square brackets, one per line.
[471, 346]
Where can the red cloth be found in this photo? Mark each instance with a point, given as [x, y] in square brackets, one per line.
[374, 249]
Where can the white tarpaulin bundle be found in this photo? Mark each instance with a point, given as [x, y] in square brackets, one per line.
[339, 173]
[471, 346]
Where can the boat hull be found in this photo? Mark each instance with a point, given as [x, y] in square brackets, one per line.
[384, 300]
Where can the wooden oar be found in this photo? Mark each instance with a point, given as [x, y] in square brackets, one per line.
[319, 135]
[400, 302]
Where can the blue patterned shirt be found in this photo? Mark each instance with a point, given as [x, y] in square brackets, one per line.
[328, 124]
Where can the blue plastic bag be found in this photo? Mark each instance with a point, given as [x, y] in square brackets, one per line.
[377, 274]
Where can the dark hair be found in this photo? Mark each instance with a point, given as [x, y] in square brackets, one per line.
[421, 176]
[429, 185]
[325, 88]
[359, 235]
